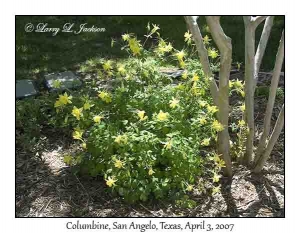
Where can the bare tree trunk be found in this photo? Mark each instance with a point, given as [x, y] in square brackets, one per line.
[224, 44]
[249, 84]
[202, 52]
[272, 96]
[251, 24]
[275, 134]
[262, 46]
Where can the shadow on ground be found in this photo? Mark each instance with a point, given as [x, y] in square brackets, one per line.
[46, 187]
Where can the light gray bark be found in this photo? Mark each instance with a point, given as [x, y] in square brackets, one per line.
[224, 45]
[274, 136]
[251, 24]
[249, 83]
[202, 52]
[262, 46]
[272, 96]
[255, 21]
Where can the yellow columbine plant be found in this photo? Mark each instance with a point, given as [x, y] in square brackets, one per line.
[105, 96]
[162, 116]
[140, 146]
[111, 181]
[217, 126]
[63, 100]
[97, 119]
[141, 115]
[77, 112]
[174, 103]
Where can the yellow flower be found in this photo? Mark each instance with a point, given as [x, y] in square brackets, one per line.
[65, 99]
[162, 116]
[243, 108]
[125, 37]
[242, 93]
[141, 115]
[163, 48]
[181, 64]
[180, 55]
[188, 37]
[83, 145]
[216, 178]
[110, 181]
[77, 134]
[212, 53]
[216, 190]
[169, 47]
[57, 84]
[242, 123]
[206, 40]
[195, 78]
[134, 46]
[118, 163]
[212, 109]
[202, 103]
[168, 144]
[107, 66]
[97, 118]
[122, 70]
[205, 142]
[174, 103]
[238, 84]
[195, 90]
[87, 106]
[184, 75]
[230, 84]
[151, 172]
[118, 139]
[180, 86]
[217, 126]
[202, 120]
[77, 112]
[155, 28]
[221, 163]
[190, 187]
[105, 96]
[121, 139]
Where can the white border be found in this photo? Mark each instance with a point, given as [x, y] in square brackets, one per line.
[158, 7]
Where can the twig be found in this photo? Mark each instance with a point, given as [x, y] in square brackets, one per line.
[149, 210]
[42, 208]
[84, 190]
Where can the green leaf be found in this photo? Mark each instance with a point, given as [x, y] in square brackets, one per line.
[68, 159]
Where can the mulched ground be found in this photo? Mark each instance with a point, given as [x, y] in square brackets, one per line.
[46, 187]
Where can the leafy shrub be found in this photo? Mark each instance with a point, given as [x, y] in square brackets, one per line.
[144, 134]
[263, 91]
[31, 116]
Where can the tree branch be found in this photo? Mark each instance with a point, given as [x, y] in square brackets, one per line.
[262, 46]
[272, 96]
[202, 52]
[249, 83]
[275, 134]
[257, 20]
[224, 45]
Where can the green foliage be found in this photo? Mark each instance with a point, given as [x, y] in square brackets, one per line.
[263, 91]
[32, 115]
[144, 134]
